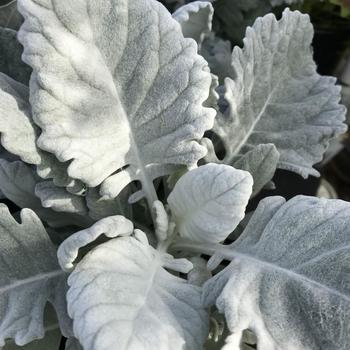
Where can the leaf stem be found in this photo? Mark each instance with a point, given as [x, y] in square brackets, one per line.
[147, 183]
[172, 232]
[200, 247]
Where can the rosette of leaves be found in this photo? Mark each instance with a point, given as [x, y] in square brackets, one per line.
[118, 101]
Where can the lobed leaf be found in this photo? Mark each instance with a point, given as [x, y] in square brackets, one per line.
[261, 162]
[121, 297]
[289, 279]
[195, 19]
[18, 182]
[60, 200]
[121, 105]
[30, 277]
[276, 96]
[19, 133]
[217, 53]
[112, 226]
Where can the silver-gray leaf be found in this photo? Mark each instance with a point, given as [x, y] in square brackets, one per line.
[261, 162]
[122, 103]
[18, 182]
[208, 203]
[121, 297]
[53, 334]
[195, 19]
[289, 279]
[276, 96]
[29, 278]
[218, 54]
[60, 200]
[112, 226]
[19, 133]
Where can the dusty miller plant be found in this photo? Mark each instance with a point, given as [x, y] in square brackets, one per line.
[132, 243]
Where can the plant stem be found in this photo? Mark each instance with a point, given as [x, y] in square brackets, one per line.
[172, 232]
[201, 248]
[146, 181]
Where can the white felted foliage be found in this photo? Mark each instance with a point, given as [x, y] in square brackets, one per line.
[29, 278]
[19, 133]
[119, 98]
[59, 199]
[195, 19]
[217, 53]
[276, 96]
[128, 99]
[289, 278]
[18, 183]
[209, 202]
[121, 297]
[261, 162]
[112, 226]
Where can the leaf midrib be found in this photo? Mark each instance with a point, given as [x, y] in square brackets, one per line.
[227, 253]
[262, 264]
[20, 283]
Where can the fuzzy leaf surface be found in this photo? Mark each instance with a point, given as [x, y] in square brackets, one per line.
[19, 133]
[261, 162]
[18, 182]
[289, 279]
[30, 277]
[60, 200]
[209, 202]
[112, 226]
[276, 96]
[195, 19]
[127, 102]
[121, 297]
[217, 53]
